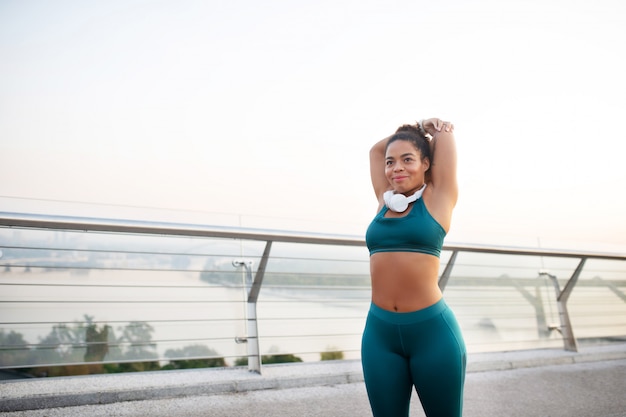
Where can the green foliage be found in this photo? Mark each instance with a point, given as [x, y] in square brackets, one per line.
[331, 354]
[280, 358]
[201, 357]
[93, 343]
[97, 342]
[69, 344]
[270, 359]
[241, 361]
[89, 343]
[136, 342]
[13, 352]
[114, 368]
[79, 342]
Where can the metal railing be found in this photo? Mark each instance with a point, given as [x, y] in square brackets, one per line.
[193, 278]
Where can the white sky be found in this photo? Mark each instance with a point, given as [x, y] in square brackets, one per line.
[263, 113]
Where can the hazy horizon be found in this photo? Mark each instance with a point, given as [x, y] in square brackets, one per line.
[262, 115]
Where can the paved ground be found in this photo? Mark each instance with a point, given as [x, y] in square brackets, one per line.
[549, 383]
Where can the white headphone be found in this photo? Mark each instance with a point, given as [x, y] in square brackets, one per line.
[399, 202]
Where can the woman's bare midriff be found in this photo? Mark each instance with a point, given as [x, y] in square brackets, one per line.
[404, 281]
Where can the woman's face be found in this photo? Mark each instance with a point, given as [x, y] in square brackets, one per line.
[404, 167]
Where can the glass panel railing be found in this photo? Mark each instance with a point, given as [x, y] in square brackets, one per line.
[143, 296]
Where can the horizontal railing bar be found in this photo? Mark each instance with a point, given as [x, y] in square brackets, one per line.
[317, 318]
[190, 254]
[158, 359]
[502, 283]
[559, 253]
[117, 301]
[177, 287]
[232, 273]
[310, 336]
[110, 344]
[120, 321]
[175, 229]
[172, 321]
[68, 266]
[554, 338]
[266, 300]
[117, 251]
[138, 360]
[315, 299]
[30, 220]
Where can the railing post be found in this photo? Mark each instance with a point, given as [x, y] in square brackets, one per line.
[253, 288]
[543, 329]
[569, 341]
[445, 276]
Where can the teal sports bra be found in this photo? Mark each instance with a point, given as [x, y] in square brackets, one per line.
[418, 231]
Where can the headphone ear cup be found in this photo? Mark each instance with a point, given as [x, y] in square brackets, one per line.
[398, 203]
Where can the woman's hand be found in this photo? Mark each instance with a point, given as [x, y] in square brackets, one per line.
[434, 125]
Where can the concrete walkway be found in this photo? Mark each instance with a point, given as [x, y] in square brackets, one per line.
[334, 384]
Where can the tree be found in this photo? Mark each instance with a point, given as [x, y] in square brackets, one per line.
[135, 346]
[331, 354]
[15, 350]
[201, 357]
[273, 358]
[68, 346]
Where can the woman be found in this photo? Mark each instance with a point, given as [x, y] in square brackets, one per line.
[411, 337]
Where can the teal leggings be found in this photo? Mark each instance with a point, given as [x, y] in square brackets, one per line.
[424, 349]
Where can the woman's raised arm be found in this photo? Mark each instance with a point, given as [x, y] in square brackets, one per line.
[443, 170]
[377, 168]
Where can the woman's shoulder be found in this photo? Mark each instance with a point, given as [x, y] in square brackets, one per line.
[440, 204]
